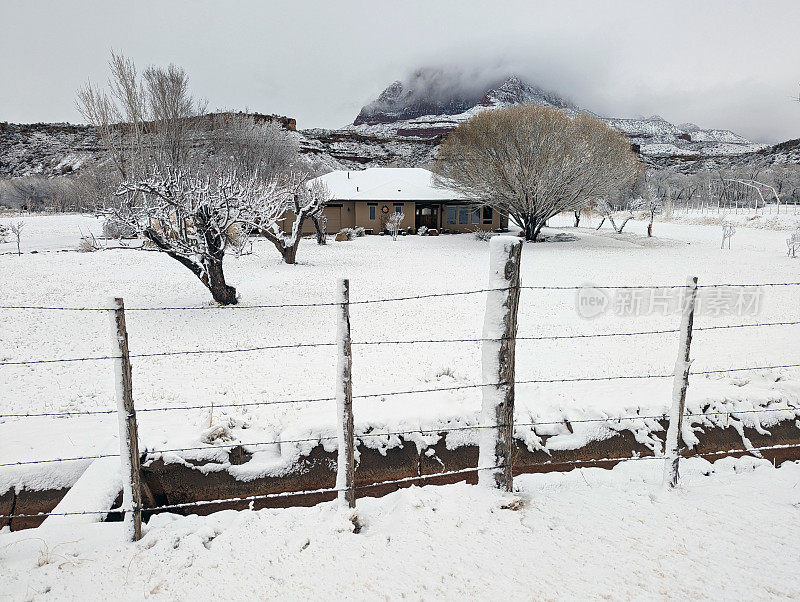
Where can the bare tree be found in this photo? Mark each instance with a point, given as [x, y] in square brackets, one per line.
[16, 229]
[192, 218]
[5, 194]
[31, 193]
[174, 115]
[249, 146]
[143, 120]
[94, 187]
[607, 210]
[533, 162]
[393, 223]
[651, 202]
[320, 227]
[62, 195]
[300, 202]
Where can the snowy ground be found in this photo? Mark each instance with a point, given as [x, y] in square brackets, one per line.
[732, 531]
[377, 268]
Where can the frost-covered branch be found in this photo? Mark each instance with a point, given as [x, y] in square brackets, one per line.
[296, 201]
[194, 219]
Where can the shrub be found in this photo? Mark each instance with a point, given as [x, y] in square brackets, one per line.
[348, 232]
[115, 229]
[359, 232]
[87, 244]
[4, 232]
[483, 235]
[446, 371]
[423, 231]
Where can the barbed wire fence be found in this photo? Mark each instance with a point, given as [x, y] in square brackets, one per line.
[496, 459]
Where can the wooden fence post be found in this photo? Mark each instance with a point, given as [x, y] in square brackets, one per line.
[673, 445]
[345, 466]
[128, 430]
[499, 334]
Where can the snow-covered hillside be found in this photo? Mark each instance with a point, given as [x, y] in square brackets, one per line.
[45, 148]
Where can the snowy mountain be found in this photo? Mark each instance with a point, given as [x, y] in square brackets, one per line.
[428, 106]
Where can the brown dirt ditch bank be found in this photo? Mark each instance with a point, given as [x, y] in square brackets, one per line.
[178, 483]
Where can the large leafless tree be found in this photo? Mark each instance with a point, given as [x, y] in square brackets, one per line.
[143, 120]
[194, 219]
[533, 162]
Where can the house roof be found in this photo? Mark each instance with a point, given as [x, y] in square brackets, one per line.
[386, 184]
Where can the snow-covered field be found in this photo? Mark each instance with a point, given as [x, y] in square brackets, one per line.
[377, 268]
[731, 531]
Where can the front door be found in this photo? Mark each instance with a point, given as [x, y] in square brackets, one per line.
[426, 215]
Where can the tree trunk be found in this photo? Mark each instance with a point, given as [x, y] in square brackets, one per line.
[213, 277]
[290, 253]
[622, 225]
[602, 221]
[577, 218]
[222, 293]
[532, 228]
[320, 226]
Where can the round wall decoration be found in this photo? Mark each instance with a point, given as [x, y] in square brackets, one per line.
[385, 209]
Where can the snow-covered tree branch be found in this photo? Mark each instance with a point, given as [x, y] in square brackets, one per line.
[299, 202]
[192, 218]
[393, 223]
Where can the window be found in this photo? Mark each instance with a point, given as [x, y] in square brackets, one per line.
[398, 209]
[452, 217]
[476, 216]
[463, 215]
[372, 209]
[488, 218]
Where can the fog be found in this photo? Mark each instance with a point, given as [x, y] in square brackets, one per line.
[727, 64]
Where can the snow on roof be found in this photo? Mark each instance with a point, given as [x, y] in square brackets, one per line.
[386, 184]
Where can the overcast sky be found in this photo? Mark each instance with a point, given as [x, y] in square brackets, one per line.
[728, 64]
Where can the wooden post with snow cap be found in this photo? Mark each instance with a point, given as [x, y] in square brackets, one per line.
[345, 465]
[674, 441]
[128, 430]
[496, 447]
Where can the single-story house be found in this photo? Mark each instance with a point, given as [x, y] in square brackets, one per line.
[365, 198]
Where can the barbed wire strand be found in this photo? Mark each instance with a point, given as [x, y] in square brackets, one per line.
[264, 496]
[406, 392]
[392, 342]
[654, 286]
[257, 306]
[391, 299]
[431, 431]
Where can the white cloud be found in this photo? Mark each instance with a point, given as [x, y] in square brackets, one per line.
[719, 63]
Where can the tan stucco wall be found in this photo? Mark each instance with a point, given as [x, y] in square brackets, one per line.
[352, 214]
[362, 214]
